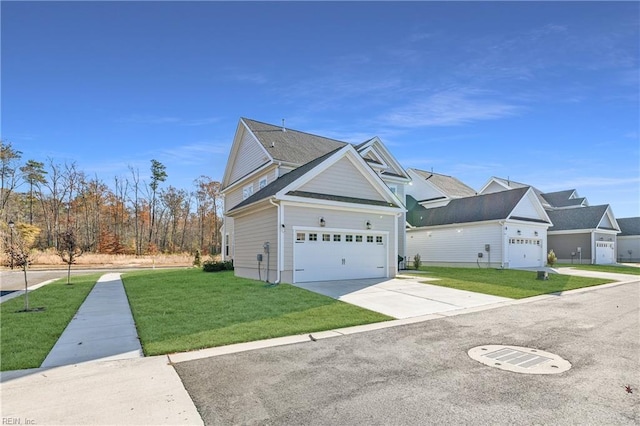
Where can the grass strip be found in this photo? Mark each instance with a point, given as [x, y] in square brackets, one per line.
[509, 283]
[616, 269]
[183, 310]
[27, 337]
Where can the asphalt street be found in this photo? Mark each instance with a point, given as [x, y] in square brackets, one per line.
[421, 374]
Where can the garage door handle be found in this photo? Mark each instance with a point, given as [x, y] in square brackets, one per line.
[299, 270]
[343, 261]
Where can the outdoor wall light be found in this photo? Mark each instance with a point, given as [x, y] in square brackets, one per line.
[322, 222]
[368, 224]
[535, 233]
[519, 232]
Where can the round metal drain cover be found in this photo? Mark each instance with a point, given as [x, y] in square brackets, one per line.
[519, 359]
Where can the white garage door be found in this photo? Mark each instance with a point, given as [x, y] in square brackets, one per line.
[525, 253]
[605, 253]
[325, 256]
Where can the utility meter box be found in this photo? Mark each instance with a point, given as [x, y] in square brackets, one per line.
[480, 254]
[259, 257]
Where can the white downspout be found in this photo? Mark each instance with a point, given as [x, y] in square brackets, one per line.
[505, 245]
[395, 249]
[593, 247]
[279, 242]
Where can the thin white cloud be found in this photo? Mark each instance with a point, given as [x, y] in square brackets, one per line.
[450, 108]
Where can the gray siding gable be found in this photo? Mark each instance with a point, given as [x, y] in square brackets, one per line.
[494, 206]
[283, 181]
[629, 226]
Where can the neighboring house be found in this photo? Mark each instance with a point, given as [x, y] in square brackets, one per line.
[629, 239]
[506, 229]
[584, 235]
[301, 207]
[580, 232]
[435, 190]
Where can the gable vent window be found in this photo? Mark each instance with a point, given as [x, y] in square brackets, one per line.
[262, 183]
[247, 192]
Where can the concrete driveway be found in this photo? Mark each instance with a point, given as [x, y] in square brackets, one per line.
[401, 297]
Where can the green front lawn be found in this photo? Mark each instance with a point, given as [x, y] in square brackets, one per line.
[27, 337]
[617, 269]
[182, 310]
[504, 282]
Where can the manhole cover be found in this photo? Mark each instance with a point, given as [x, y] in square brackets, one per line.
[519, 359]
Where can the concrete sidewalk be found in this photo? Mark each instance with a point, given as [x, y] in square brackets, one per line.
[96, 374]
[103, 328]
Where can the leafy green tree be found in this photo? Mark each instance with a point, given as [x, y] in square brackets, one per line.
[158, 174]
[34, 173]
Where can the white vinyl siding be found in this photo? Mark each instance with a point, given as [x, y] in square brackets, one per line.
[458, 245]
[249, 157]
[342, 179]
[526, 208]
[303, 217]
[420, 189]
[606, 223]
[251, 232]
[493, 187]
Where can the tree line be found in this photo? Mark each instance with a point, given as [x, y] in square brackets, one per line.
[132, 216]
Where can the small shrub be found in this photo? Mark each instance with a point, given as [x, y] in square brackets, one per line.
[197, 261]
[551, 258]
[215, 266]
[416, 261]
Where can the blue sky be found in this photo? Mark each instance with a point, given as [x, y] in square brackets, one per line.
[545, 93]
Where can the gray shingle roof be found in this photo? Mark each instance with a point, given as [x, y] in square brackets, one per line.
[580, 218]
[291, 146]
[629, 226]
[284, 180]
[494, 206]
[561, 198]
[447, 184]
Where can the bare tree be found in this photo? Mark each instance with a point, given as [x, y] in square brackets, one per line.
[20, 252]
[69, 250]
[9, 179]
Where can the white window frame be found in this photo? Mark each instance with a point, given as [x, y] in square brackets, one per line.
[262, 183]
[247, 191]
